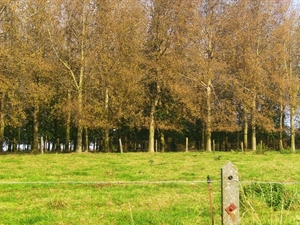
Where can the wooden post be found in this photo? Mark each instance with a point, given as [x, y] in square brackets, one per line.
[214, 146]
[155, 145]
[242, 146]
[121, 147]
[230, 195]
[186, 144]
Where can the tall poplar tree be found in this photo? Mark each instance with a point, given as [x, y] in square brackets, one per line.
[206, 63]
[291, 46]
[70, 31]
[157, 55]
[11, 63]
[254, 40]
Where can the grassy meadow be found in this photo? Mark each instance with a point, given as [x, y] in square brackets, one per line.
[122, 188]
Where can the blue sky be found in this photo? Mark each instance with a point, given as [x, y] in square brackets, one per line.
[296, 2]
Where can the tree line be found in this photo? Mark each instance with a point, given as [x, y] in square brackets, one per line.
[82, 71]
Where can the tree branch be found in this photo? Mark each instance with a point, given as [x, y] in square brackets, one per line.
[67, 66]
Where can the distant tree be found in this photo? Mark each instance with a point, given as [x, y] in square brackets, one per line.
[159, 64]
[205, 66]
[279, 84]
[37, 75]
[11, 107]
[70, 29]
[291, 45]
[254, 40]
[116, 74]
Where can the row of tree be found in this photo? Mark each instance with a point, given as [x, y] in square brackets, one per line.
[73, 70]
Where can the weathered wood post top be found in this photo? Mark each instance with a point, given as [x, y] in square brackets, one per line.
[230, 195]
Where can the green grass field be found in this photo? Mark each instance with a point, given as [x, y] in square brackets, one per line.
[120, 188]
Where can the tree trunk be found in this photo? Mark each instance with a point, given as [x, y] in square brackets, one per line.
[151, 145]
[253, 137]
[42, 145]
[281, 127]
[79, 124]
[208, 122]
[86, 140]
[253, 125]
[245, 129]
[292, 125]
[47, 144]
[202, 146]
[151, 130]
[68, 126]
[35, 142]
[58, 148]
[106, 140]
[15, 144]
[162, 141]
[106, 131]
[238, 140]
[67, 143]
[2, 124]
[226, 142]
